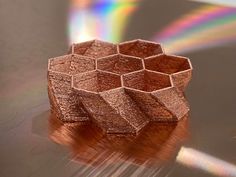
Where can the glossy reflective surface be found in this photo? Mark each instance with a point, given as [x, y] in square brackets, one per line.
[27, 148]
[158, 142]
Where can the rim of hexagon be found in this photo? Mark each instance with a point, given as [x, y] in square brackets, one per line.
[96, 81]
[120, 64]
[119, 87]
[94, 48]
[146, 81]
[169, 64]
[178, 67]
[71, 64]
[140, 48]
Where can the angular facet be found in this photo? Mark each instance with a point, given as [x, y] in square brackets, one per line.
[103, 114]
[173, 101]
[140, 48]
[126, 107]
[150, 105]
[182, 79]
[60, 72]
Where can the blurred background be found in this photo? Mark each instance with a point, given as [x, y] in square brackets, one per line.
[32, 31]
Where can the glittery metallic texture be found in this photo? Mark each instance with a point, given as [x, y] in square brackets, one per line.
[121, 88]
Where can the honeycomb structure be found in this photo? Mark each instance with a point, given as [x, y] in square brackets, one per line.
[121, 88]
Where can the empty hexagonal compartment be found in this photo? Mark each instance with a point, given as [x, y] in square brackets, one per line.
[168, 64]
[140, 48]
[119, 64]
[94, 48]
[96, 81]
[71, 64]
[146, 80]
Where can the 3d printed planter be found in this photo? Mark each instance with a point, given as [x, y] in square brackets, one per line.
[120, 88]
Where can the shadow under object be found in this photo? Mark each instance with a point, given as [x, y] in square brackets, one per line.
[120, 88]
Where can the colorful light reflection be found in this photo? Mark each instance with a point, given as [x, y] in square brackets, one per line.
[103, 19]
[196, 159]
[219, 2]
[204, 27]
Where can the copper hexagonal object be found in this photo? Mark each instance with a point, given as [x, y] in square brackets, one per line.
[120, 88]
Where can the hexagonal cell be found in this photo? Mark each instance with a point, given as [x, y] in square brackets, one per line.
[94, 48]
[140, 48]
[147, 81]
[96, 81]
[119, 64]
[71, 64]
[168, 64]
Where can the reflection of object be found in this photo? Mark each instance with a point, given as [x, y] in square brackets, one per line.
[210, 164]
[157, 143]
[104, 19]
[204, 27]
[120, 93]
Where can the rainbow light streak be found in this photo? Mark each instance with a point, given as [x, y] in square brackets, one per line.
[205, 27]
[196, 159]
[219, 2]
[102, 19]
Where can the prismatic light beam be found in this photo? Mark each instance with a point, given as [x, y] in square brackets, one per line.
[102, 19]
[205, 27]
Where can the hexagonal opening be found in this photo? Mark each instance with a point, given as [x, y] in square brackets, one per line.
[140, 48]
[96, 81]
[71, 64]
[94, 48]
[146, 81]
[167, 64]
[119, 64]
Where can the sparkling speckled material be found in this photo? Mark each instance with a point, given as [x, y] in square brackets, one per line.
[121, 88]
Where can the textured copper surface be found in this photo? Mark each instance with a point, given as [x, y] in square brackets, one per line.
[120, 88]
[157, 143]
